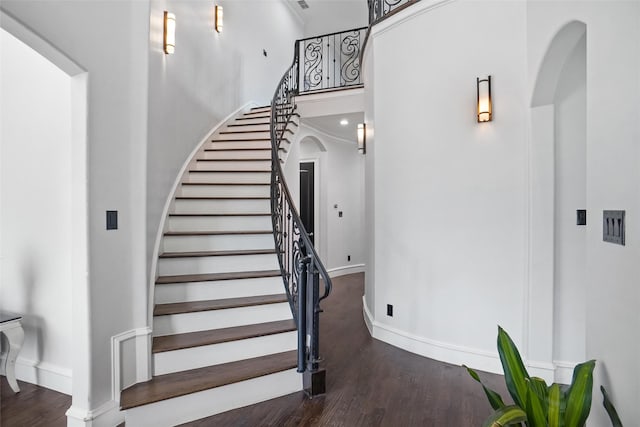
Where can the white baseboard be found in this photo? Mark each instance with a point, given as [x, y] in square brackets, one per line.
[42, 374]
[368, 317]
[107, 415]
[346, 269]
[558, 371]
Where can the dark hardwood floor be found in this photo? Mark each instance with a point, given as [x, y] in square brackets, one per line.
[33, 407]
[370, 383]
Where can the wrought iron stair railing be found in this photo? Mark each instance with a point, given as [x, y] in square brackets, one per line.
[326, 62]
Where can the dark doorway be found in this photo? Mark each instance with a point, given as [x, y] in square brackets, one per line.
[307, 197]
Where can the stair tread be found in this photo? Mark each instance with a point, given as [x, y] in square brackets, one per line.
[215, 233]
[217, 336]
[239, 149]
[218, 253]
[226, 183]
[230, 171]
[221, 214]
[218, 304]
[182, 383]
[210, 277]
[250, 124]
[238, 159]
[222, 198]
[254, 117]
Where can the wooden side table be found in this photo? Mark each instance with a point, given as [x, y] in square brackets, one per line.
[11, 327]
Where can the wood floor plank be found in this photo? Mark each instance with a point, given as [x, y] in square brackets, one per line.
[186, 278]
[181, 383]
[369, 382]
[217, 336]
[218, 304]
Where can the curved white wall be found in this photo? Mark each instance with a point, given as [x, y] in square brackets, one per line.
[459, 211]
[450, 194]
[35, 210]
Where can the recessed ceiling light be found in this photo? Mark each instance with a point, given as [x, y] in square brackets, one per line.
[344, 122]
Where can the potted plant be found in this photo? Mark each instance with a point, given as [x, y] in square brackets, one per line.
[536, 403]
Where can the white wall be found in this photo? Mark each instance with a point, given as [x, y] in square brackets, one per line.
[35, 210]
[457, 203]
[209, 76]
[328, 16]
[339, 170]
[450, 195]
[135, 91]
[116, 62]
[570, 194]
[612, 181]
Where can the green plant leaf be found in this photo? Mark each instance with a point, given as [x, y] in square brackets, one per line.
[579, 395]
[514, 370]
[556, 406]
[535, 413]
[494, 398]
[611, 410]
[542, 391]
[506, 416]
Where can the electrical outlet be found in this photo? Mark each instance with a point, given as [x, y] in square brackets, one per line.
[340, 214]
[581, 217]
[112, 220]
[348, 257]
[389, 310]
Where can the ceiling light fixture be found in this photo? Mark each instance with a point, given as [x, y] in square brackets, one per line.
[344, 122]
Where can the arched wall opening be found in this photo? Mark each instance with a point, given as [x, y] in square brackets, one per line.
[557, 312]
[45, 178]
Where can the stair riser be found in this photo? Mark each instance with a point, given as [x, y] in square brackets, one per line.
[199, 357]
[217, 243]
[229, 177]
[261, 165]
[231, 223]
[243, 135]
[214, 319]
[194, 406]
[216, 264]
[224, 191]
[219, 145]
[252, 120]
[254, 127]
[203, 291]
[219, 206]
[244, 154]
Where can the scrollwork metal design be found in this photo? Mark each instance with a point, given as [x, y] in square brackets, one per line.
[331, 61]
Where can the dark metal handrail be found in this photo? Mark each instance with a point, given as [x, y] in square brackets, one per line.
[379, 9]
[300, 265]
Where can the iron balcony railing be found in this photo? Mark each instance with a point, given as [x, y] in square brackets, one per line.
[378, 9]
[330, 61]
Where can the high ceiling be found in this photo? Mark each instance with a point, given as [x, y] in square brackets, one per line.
[328, 16]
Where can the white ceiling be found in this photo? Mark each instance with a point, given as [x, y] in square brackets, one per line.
[331, 125]
[328, 16]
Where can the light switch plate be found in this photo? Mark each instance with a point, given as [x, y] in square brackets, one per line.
[613, 227]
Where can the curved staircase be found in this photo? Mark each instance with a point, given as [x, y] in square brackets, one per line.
[223, 332]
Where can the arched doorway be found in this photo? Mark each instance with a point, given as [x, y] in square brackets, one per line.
[558, 177]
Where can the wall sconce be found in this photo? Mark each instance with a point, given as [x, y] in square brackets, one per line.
[169, 32]
[362, 138]
[485, 106]
[218, 18]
